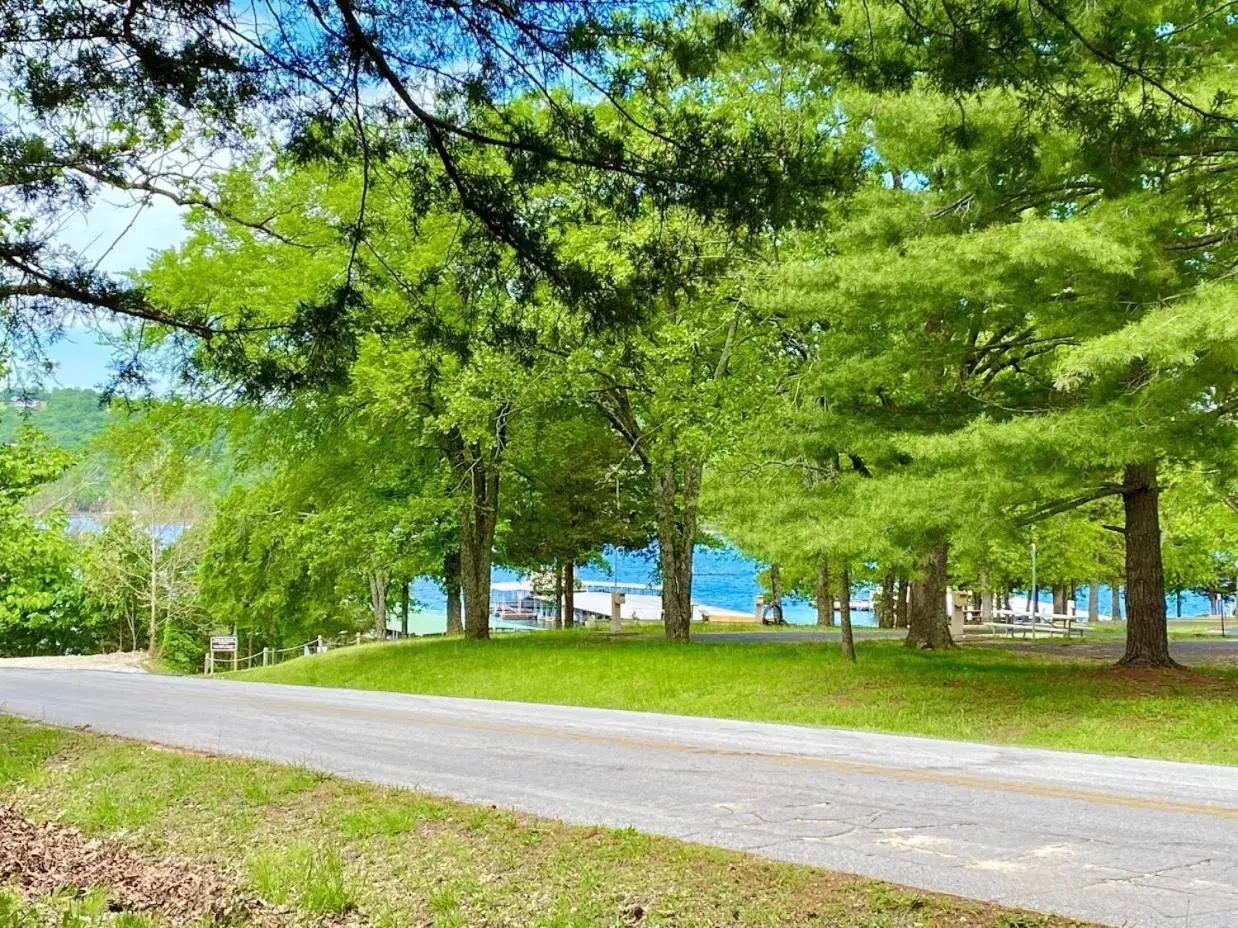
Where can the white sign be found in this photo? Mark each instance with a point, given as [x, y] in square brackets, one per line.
[223, 642]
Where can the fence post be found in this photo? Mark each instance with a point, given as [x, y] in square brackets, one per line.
[358, 637]
[206, 663]
[266, 652]
[321, 645]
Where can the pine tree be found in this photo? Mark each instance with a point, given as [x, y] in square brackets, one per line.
[1021, 300]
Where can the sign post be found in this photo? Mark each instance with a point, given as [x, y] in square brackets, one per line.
[958, 602]
[616, 618]
[221, 644]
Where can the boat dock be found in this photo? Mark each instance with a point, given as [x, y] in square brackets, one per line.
[519, 601]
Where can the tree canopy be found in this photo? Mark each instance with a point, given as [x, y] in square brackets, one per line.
[881, 290]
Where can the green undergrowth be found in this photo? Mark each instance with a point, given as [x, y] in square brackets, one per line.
[974, 693]
[66, 908]
[324, 849]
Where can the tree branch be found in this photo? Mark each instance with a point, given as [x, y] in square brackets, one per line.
[1074, 502]
[1130, 69]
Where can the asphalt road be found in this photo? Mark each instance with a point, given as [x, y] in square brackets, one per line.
[1121, 841]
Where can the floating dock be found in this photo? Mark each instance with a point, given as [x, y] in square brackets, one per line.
[517, 601]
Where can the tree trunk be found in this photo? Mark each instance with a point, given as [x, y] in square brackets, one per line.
[476, 466]
[825, 599]
[885, 617]
[844, 613]
[378, 604]
[1094, 602]
[477, 525]
[901, 603]
[406, 603]
[929, 626]
[775, 585]
[1059, 598]
[678, 491]
[986, 606]
[1115, 602]
[569, 594]
[451, 586]
[1147, 633]
[558, 616]
[475, 590]
[153, 644]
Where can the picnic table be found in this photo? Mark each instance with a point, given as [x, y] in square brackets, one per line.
[1029, 626]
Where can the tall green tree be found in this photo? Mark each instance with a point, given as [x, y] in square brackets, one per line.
[673, 391]
[1049, 187]
[446, 365]
[574, 489]
[42, 606]
[161, 480]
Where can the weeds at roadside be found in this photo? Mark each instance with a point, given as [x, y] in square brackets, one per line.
[337, 853]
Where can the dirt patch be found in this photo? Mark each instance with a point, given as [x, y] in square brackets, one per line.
[1215, 653]
[121, 662]
[1158, 681]
[36, 860]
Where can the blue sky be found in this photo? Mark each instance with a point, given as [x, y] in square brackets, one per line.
[80, 361]
[120, 234]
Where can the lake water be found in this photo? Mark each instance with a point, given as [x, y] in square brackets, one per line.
[721, 577]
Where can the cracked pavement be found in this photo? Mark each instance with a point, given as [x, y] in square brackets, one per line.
[1121, 841]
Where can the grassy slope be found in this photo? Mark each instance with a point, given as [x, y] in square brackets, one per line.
[973, 694]
[396, 858]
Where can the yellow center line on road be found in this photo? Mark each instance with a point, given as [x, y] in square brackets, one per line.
[946, 777]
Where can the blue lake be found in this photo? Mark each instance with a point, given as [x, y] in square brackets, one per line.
[721, 577]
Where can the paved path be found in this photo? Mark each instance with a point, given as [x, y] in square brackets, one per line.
[784, 635]
[1190, 651]
[1125, 842]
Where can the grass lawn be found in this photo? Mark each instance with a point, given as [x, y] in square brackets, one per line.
[287, 847]
[974, 693]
